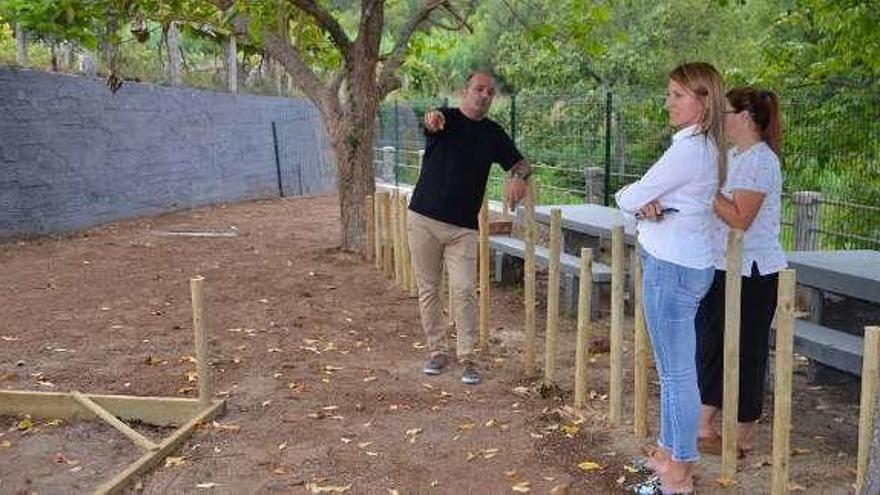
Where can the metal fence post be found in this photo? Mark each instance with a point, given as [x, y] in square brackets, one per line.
[608, 109]
[396, 141]
[513, 118]
[806, 220]
[277, 161]
[595, 182]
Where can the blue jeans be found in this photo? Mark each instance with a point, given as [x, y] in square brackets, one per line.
[671, 295]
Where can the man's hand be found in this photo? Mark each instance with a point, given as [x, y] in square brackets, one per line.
[435, 121]
[516, 191]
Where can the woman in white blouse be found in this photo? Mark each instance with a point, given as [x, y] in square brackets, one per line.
[751, 201]
[673, 202]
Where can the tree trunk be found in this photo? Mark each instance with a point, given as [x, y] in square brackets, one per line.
[352, 138]
[172, 41]
[21, 54]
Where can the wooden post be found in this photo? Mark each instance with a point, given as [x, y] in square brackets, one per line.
[732, 298]
[401, 236]
[529, 283]
[410, 272]
[806, 220]
[142, 441]
[641, 349]
[395, 235]
[369, 246]
[785, 308]
[377, 230]
[870, 385]
[618, 275]
[582, 349]
[484, 273]
[552, 297]
[21, 48]
[387, 248]
[231, 58]
[206, 385]
[175, 61]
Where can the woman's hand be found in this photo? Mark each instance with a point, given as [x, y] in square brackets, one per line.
[651, 211]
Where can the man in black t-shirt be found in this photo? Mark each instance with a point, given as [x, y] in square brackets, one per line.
[462, 144]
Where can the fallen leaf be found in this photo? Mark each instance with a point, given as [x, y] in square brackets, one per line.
[314, 488]
[370, 453]
[5, 444]
[490, 453]
[330, 408]
[392, 491]
[799, 451]
[186, 359]
[191, 376]
[174, 461]
[371, 378]
[794, 487]
[571, 430]
[725, 482]
[345, 440]
[630, 469]
[25, 424]
[76, 469]
[621, 480]
[589, 466]
[467, 426]
[435, 484]
[55, 422]
[154, 361]
[282, 446]
[522, 487]
[364, 445]
[209, 484]
[60, 458]
[418, 345]
[279, 470]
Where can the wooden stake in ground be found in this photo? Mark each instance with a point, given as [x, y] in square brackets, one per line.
[505, 207]
[552, 297]
[401, 236]
[641, 348]
[582, 349]
[484, 273]
[732, 298]
[529, 283]
[618, 276]
[870, 384]
[387, 253]
[377, 229]
[782, 388]
[395, 237]
[206, 385]
[369, 210]
[410, 273]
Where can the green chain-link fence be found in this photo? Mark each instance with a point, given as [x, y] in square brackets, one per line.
[584, 148]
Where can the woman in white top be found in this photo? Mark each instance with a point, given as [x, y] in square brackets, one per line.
[751, 201]
[673, 202]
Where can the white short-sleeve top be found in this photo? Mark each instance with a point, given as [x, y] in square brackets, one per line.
[684, 178]
[755, 169]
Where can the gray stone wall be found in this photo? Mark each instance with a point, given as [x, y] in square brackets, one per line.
[74, 155]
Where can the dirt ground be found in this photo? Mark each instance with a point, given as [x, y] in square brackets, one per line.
[319, 357]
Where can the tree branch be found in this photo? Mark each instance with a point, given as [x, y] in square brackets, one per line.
[280, 49]
[327, 22]
[387, 78]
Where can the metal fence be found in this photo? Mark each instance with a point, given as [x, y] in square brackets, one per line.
[584, 148]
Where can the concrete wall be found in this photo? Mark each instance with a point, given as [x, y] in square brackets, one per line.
[74, 155]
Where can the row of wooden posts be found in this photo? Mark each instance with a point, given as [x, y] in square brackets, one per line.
[388, 246]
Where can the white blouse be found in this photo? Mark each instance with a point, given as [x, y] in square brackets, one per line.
[684, 178]
[755, 169]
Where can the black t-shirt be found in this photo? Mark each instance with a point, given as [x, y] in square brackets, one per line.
[456, 165]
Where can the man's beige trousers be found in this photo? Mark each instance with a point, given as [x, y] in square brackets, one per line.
[431, 243]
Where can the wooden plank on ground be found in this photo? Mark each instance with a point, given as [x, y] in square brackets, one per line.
[158, 411]
[151, 459]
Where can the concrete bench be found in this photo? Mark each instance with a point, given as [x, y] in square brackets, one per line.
[509, 253]
[830, 347]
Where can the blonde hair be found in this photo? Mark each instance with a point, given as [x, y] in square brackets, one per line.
[704, 81]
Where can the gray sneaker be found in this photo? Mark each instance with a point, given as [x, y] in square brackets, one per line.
[470, 375]
[436, 364]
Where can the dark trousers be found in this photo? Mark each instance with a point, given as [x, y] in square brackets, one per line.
[758, 306]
